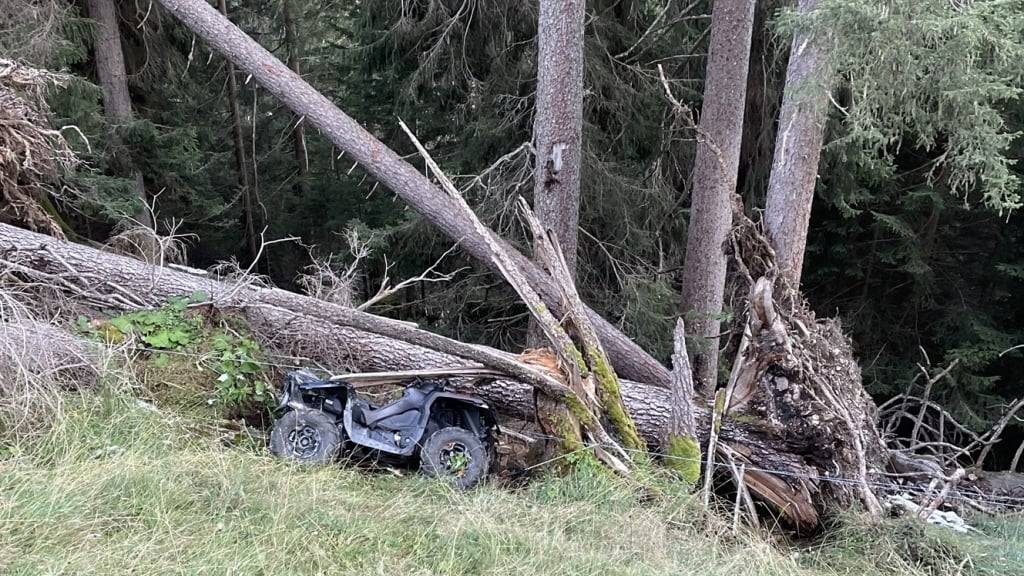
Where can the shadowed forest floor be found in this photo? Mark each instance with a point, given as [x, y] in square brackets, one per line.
[120, 488]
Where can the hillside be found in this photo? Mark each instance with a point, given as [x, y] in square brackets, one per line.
[121, 487]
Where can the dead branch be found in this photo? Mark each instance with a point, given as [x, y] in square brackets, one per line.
[993, 436]
[430, 275]
[742, 494]
[931, 380]
[717, 411]
[941, 496]
[141, 240]
[583, 400]
[323, 280]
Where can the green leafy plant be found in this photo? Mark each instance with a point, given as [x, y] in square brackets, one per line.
[236, 359]
[240, 379]
[166, 328]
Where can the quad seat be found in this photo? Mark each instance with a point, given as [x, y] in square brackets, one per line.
[412, 398]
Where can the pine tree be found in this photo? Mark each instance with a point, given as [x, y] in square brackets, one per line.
[714, 178]
[798, 142]
[113, 78]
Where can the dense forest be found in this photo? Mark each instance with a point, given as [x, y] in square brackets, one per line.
[860, 154]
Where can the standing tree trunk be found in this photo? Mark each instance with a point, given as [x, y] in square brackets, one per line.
[117, 103]
[240, 162]
[558, 126]
[720, 134]
[798, 144]
[293, 44]
[558, 120]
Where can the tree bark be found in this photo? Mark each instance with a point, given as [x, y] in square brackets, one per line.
[117, 103]
[558, 127]
[558, 121]
[680, 437]
[798, 144]
[248, 214]
[681, 392]
[293, 44]
[713, 183]
[391, 170]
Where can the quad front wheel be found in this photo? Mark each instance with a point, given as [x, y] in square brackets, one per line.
[307, 436]
[456, 455]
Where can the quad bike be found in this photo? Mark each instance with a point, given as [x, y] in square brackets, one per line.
[452, 434]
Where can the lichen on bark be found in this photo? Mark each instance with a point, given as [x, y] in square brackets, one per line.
[682, 455]
[609, 393]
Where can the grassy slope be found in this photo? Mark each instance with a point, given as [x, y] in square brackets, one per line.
[119, 489]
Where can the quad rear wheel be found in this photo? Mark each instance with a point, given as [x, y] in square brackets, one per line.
[455, 455]
[307, 436]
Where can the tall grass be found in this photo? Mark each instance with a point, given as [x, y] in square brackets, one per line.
[117, 488]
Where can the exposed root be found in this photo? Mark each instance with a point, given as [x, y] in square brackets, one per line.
[32, 155]
[797, 375]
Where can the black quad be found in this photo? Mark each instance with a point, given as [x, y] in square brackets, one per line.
[451, 434]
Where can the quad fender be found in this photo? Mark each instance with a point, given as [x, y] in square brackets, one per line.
[301, 382]
[488, 417]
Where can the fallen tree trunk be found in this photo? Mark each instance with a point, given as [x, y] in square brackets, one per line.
[390, 169]
[784, 466]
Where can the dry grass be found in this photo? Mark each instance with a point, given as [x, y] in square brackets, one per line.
[119, 488]
[38, 363]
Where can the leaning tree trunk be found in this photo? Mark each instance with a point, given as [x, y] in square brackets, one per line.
[787, 437]
[244, 180]
[713, 184]
[392, 171]
[117, 104]
[798, 147]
